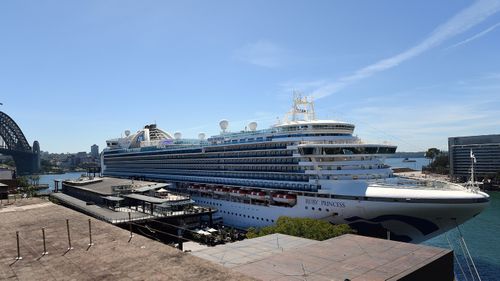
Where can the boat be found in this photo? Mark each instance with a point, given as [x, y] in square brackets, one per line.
[325, 171]
[407, 160]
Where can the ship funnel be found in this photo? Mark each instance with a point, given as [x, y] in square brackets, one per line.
[127, 133]
[177, 135]
[223, 125]
[201, 136]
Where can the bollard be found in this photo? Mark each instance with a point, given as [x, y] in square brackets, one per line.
[130, 225]
[69, 236]
[44, 245]
[388, 235]
[90, 234]
[18, 250]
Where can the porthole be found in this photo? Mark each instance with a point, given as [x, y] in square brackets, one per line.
[312, 208]
[319, 209]
[307, 207]
[327, 210]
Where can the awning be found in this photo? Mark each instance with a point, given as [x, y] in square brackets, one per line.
[149, 199]
[113, 198]
[151, 187]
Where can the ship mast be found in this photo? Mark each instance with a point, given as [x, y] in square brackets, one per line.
[302, 110]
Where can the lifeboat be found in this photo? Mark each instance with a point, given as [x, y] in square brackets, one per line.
[205, 189]
[238, 192]
[221, 191]
[257, 195]
[285, 198]
[193, 187]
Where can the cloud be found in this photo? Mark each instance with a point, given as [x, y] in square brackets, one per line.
[461, 22]
[476, 36]
[262, 53]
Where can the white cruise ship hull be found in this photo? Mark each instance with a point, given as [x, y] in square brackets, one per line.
[408, 222]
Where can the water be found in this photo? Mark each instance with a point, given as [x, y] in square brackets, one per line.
[398, 163]
[49, 179]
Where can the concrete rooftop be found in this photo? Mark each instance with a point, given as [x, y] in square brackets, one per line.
[105, 186]
[353, 257]
[111, 258]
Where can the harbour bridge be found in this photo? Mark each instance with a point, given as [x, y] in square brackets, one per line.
[14, 143]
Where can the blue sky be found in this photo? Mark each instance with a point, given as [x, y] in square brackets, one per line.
[413, 73]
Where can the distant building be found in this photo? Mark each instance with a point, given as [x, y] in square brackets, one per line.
[486, 150]
[94, 151]
[6, 174]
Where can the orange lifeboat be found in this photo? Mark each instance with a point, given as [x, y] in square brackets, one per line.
[257, 195]
[205, 189]
[221, 191]
[238, 192]
[285, 198]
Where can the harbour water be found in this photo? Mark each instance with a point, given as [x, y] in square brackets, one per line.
[480, 233]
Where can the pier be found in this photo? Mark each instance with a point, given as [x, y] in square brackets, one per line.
[119, 201]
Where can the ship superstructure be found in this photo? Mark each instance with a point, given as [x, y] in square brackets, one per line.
[300, 167]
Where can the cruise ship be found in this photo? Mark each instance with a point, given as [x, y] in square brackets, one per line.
[300, 167]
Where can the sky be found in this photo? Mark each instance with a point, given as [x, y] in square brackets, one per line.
[412, 73]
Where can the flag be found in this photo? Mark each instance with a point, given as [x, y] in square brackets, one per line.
[472, 156]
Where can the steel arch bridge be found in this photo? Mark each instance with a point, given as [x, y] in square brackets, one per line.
[27, 158]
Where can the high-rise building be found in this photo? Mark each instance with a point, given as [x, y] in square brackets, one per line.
[484, 149]
[94, 151]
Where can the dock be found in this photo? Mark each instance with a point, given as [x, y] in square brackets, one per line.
[113, 255]
[119, 201]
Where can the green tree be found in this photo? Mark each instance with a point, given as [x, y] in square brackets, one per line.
[302, 227]
[432, 153]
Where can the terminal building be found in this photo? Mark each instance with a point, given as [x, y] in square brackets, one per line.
[486, 150]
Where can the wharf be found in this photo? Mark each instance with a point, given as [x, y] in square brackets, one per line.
[119, 201]
[347, 257]
[114, 256]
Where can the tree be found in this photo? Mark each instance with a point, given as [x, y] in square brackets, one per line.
[302, 227]
[432, 153]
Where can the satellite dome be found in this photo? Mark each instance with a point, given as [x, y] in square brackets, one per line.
[127, 133]
[252, 126]
[223, 125]
[177, 135]
[201, 136]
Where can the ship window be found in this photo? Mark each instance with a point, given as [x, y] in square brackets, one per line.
[319, 209]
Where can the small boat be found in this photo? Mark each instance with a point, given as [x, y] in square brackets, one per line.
[257, 195]
[221, 191]
[285, 198]
[205, 189]
[238, 192]
[406, 160]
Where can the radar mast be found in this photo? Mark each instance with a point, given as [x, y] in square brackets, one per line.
[302, 110]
